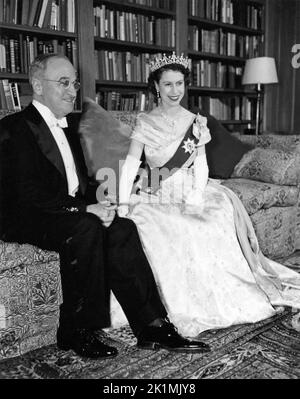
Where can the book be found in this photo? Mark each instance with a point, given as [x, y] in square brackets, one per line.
[2, 58]
[25, 12]
[32, 11]
[42, 13]
[3, 104]
[46, 22]
[15, 96]
[8, 95]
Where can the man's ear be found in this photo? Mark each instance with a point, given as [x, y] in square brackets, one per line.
[37, 86]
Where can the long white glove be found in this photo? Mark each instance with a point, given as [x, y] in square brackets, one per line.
[194, 199]
[128, 173]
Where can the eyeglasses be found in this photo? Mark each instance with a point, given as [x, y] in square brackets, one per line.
[66, 83]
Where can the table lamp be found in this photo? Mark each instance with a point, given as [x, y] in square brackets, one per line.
[258, 71]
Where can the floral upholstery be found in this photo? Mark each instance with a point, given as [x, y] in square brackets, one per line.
[269, 165]
[30, 288]
[273, 211]
[30, 294]
[275, 229]
[273, 141]
[257, 195]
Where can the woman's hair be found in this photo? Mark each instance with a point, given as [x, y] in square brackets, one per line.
[156, 76]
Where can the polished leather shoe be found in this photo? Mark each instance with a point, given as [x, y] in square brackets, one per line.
[167, 337]
[86, 343]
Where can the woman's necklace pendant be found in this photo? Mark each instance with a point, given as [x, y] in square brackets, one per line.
[169, 121]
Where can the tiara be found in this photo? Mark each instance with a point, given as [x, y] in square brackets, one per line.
[172, 59]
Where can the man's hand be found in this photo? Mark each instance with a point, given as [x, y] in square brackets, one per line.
[105, 210]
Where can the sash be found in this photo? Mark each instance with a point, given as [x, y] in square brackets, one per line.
[182, 158]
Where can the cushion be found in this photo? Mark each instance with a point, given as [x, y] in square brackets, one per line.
[224, 150]
[287, 142]
[270, 166]
[105, 142]
[256, 195]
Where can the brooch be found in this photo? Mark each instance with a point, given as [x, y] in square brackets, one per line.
[189, 146]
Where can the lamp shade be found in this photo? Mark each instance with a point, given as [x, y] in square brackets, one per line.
[260, 70]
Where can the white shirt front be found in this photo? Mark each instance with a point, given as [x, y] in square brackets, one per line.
[62, 143]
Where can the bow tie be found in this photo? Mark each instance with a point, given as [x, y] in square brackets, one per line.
[61, 122]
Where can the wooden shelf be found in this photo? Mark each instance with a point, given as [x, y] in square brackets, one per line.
[235, 122]
[125, 46]
[212, 24]
[14, 76]
[35, 30]
[119, 84]
[197, 90]
[129, 7]
[215, 57]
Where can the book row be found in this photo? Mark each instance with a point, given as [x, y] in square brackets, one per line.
[123, 66]
[47, 14]
[227, 11]
[222, 43]
[16, 53]
[137, 28]
[125, 101]
[168, 5]
[234, 108]
[216, 74]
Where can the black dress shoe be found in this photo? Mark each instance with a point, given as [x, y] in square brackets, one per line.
[167, 337]
[85, 343]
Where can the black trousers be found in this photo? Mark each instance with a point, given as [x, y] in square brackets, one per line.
[93, 260]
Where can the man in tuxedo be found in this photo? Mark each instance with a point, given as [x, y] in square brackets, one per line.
[49, 202]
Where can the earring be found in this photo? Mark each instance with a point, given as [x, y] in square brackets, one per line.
[158, 96]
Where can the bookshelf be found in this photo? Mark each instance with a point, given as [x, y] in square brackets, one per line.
[127, 34]
[27, 29]
[222, 34]
[216, 69]
[218, 36]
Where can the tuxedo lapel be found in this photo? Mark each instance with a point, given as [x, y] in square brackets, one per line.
[44, 138]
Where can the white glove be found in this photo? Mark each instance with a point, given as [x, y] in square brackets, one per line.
[194, 199]
[128, 173]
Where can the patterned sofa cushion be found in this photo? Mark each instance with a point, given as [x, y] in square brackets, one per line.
[257, 195]
[13, 255]
[105, 141]
[274, 141]
[30, 295]
[275, 229]
[270, 166]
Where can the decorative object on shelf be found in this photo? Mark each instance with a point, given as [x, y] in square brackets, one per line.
[258, 71]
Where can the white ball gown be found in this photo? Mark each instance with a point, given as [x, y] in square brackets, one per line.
[207, 264]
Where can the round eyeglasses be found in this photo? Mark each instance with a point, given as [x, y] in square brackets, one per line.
[66, 83]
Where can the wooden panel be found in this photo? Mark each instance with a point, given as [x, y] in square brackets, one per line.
[296, 94]
[282, 100]
[86, 47]
[181, 26]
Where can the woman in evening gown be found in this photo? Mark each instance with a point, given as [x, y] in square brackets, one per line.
[196, 233]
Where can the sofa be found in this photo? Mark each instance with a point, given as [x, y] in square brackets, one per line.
[30, 288]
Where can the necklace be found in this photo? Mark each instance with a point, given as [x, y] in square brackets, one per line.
[170, 122]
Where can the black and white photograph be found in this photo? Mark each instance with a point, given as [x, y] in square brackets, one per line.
[149, 193]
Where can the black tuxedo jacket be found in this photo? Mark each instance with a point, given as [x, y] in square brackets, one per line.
[33, 177]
